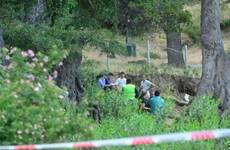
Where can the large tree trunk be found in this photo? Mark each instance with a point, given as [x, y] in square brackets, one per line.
[36, 12]
[69, 76]
[215, 64]
[1, 39]
[174, 49]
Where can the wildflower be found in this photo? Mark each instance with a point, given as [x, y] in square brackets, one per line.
[44, 70]
[50, 78]
[41, 64]
[36, 89]
[7, 57]
[39, 85]
[31, 77]
[55, 74]
[46, 59]
[35, 59]
[12, 50]
[60, 64]
[19, 132]
[61, 96]
[15, 95]
[24, 54]
[7, 81]
[30, 53]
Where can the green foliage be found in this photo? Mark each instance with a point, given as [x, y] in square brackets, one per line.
[32, 108]
[164, 69]
[193, 32]
[168, 15]
[135, 123]
[152, 55]
[225, 24]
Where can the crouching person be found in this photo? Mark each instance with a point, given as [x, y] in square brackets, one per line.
[157, 105]
[129, 90]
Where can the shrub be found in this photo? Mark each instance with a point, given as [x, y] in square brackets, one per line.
[32, 108]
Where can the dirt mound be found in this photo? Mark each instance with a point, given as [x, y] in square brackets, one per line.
[177, 84]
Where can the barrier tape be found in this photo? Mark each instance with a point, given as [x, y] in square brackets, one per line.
[155, 139]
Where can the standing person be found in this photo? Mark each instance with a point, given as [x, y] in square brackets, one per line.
[129, 90]
[157, 105]
[101, 81]
[121, 81]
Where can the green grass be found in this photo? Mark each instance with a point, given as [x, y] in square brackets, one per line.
[164, 69]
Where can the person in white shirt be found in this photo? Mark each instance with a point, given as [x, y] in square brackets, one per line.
[146, 84]
[121, 81]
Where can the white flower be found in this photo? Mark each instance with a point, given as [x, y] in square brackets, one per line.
[8, 81]
[46, 59]
[41, 64]
[39, 85]
[19, 132]
[24, 54]
[36, 89]
[61, 96]
[44, 70]
[55, 74]
[7, 57]
[60, 63]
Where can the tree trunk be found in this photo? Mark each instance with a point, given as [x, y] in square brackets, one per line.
[69, 76]
[174, 51]
[36, 12]
[1, 39]
[1, 46]
[215, 63]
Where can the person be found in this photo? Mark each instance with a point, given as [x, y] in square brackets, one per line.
[121, 81]
[146, 99]
[156, 104]
[145, 84]
[101, 81]
[129, 90]
[109, 81]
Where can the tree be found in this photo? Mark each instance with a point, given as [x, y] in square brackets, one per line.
[215, 64]
[169, 16]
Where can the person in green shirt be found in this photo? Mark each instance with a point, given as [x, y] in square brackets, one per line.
[129, 90]
[156, 104]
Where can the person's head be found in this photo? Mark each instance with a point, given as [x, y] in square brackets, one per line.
[152, 91]
[157, 93]
[128, 81]
[110, 75]
[122, 74]
[99, 76]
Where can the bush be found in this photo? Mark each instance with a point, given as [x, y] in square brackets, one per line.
[225, 24]
[193, 32]
[32, 108]
[152, 55]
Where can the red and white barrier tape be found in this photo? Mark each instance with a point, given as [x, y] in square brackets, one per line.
[155, 139]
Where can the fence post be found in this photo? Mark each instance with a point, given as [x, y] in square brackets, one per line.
[185, 54]
[148, 52]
